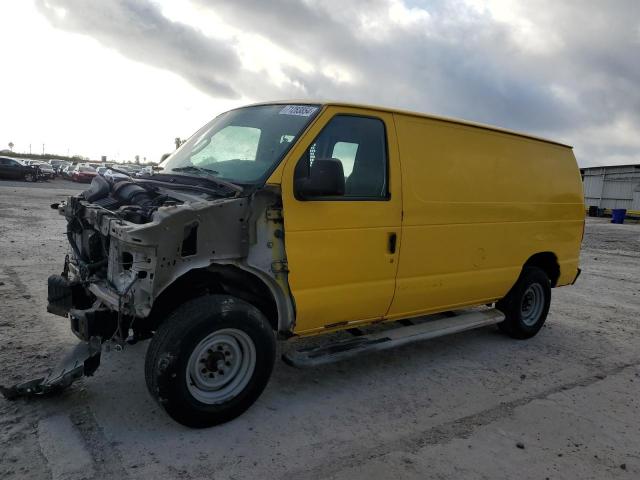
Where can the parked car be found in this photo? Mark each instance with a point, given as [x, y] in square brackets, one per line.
[59, 165]
[144, 171]
[55, 164]
[17, 169]
[82, 173]
[46, 170]
[309, 219]
[114, 176]
[65, 171]
[132, 169]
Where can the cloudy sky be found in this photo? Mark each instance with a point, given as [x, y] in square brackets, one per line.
[124, 77]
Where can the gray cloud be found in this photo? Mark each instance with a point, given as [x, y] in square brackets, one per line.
[138, 30]
[447, 58]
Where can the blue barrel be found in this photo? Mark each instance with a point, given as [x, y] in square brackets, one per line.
[618, 214]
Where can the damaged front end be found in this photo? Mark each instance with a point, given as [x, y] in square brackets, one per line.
[129, 240]
[83, 360]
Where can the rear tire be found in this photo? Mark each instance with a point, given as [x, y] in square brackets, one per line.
[210, 360]
[527, 304]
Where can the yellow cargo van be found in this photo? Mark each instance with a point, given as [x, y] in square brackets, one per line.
[290, 219]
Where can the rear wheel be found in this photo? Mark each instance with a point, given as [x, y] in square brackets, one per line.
[527, 304]
[210, 360]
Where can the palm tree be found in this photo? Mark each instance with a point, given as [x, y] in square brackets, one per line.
[11, 146]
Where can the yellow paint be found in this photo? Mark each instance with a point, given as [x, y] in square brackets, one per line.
[340, 268]
[470, 204]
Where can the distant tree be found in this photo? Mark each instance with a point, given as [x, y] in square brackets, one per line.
[178, 141]
[11, 146]
[138, 159]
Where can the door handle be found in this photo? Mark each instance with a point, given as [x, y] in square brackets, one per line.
[392, 242]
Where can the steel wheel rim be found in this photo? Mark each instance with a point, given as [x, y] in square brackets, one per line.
[220, 366]
[532, 304]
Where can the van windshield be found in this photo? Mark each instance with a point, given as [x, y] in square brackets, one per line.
[242, 146]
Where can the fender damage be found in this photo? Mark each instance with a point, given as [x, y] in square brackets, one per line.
[130, 240]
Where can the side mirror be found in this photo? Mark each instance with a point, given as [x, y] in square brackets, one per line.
[164, 156]
[326, 179]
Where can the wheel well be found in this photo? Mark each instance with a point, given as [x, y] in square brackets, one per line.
[216, 279]
[548, 262]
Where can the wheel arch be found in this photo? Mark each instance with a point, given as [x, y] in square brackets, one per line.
[547, 262]
[222, 279]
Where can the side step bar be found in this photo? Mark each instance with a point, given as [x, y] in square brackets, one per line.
[458, 322]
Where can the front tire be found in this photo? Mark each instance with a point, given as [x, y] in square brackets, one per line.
[210, 360]
[527, 304]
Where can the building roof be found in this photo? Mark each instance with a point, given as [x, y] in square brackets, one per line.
[595, 167]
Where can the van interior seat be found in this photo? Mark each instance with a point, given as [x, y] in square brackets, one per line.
[368, 176]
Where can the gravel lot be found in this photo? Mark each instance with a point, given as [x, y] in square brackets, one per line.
[565, 404]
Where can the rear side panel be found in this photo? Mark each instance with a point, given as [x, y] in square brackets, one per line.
[476, 205]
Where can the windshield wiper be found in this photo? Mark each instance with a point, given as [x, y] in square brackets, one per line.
[213, 174]
[172, 185]
[193, 168]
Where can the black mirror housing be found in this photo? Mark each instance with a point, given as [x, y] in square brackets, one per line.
[326, 179]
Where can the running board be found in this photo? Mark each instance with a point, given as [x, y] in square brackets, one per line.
[458, 322]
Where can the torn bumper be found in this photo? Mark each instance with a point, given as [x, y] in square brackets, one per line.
[83, 360]
[63, 295]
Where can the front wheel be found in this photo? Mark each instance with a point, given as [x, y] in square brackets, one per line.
[210, 360]
[527, 304]
[30, 177]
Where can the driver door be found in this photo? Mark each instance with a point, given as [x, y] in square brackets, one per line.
[342, 250]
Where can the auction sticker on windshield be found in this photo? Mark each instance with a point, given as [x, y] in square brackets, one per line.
[300, 110]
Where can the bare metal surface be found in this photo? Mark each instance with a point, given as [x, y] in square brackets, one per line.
[245, 232]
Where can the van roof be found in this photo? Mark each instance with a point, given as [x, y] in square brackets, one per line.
[483, 126]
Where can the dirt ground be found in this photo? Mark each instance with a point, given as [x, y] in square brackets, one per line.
[565, 404]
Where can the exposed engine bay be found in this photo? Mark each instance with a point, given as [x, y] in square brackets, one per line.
[127, 236]
[133, 242]
[205, 225]
[131, 239]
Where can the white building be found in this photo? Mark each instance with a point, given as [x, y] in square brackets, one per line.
[616, 186]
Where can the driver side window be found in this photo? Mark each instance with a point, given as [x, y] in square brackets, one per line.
[356, 144]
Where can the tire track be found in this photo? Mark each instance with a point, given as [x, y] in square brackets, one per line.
[444, 433]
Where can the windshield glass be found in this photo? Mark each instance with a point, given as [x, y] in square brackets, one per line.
[243, 145]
